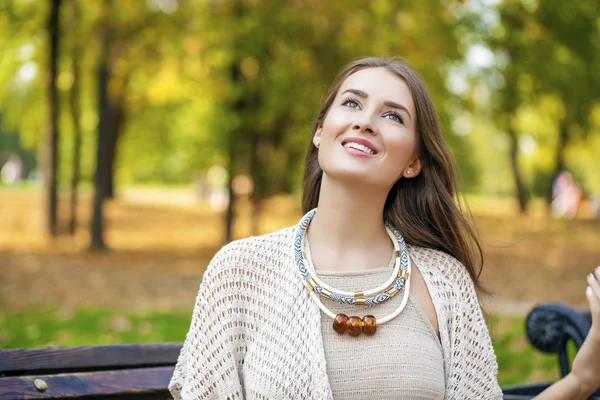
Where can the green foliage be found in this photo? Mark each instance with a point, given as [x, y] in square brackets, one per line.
[185, 103]
[10, 143]
[240, 81]
[518, 361]
[544, 81]
[41, 327]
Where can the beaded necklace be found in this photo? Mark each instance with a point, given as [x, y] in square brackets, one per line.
[341, 322]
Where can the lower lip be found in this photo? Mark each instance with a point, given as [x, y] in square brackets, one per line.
[357, 153]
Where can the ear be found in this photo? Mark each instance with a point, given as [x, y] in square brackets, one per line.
[413, 169]
[317, 136]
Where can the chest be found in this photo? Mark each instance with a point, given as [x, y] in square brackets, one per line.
[419, 291]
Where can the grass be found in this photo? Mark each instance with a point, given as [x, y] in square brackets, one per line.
[518, 361]
[42, 327]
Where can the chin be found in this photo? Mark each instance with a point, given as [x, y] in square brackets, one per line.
[356, 176]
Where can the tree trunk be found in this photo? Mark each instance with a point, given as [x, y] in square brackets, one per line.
[509, 106]
[255, 174]
[236, 106]
[230, 214]
[103, 144]
[559, 155]
[52, 162]
[75, 115]
[516, 171]
[116, 116]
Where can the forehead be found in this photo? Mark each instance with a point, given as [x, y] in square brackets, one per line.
[381, 85]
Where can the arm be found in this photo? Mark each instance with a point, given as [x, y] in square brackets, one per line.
[584, 379]
[207, 366]
[568, 388]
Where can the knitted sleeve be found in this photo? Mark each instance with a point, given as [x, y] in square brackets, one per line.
[473, 367]
[207, 366]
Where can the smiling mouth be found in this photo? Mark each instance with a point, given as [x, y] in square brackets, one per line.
[360, 147]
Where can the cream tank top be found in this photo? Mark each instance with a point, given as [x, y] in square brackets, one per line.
[403, 360]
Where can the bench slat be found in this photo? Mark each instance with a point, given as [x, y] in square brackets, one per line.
[143, 381]
[88, 357]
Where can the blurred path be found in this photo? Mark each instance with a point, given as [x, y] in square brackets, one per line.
[162, 240]
[33, 280]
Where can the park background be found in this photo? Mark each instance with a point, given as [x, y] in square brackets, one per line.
[137, 137]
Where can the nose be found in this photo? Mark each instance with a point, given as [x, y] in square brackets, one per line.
[364, 125]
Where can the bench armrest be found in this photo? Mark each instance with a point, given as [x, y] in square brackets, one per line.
[550, 326]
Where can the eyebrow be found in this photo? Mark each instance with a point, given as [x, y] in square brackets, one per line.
[388, 103]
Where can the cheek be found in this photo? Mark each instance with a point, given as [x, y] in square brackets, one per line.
[334, 122]
[401, 149]
[402, 144]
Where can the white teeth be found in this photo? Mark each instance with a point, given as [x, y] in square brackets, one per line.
[360, 147]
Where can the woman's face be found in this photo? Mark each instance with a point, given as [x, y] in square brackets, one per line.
[369, 133]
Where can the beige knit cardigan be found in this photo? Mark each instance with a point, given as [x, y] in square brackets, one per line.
[256, 333]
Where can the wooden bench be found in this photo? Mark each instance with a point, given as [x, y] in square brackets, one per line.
[114, 372]
[144, 371]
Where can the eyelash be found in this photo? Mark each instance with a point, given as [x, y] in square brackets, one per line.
[400, 119]
[350, 100]
[391, 113]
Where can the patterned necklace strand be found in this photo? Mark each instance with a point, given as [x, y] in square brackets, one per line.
[359, 298]
[313, 283]
[341, 322]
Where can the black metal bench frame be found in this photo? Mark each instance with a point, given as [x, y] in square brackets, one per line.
[550, 328]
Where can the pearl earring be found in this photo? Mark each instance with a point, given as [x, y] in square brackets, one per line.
[408, 172]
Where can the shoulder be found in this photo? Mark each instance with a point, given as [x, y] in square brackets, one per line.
[253, 252]
[437, 262]
[447, 279]
[270, 244]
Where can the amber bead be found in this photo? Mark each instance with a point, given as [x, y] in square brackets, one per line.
[354, 326]
[339, 323]
[369, 325]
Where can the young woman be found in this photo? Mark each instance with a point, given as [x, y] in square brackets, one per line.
[373, 293]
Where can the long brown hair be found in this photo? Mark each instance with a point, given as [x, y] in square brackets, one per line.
[425, 209]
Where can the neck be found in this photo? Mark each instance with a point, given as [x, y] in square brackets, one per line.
[348, 231]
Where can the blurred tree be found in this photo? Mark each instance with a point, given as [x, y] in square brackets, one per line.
[518, 46]
[283, 56]
[128, 36]
[169, 88]
[551, 49]
[105, 131]
[571, 69]
[53, 133]
[24, 65]
[75, 109]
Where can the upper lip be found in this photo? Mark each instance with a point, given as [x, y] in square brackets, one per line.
[362, 141]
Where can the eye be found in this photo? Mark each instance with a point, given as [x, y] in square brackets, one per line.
[395, 117]
[351, 103]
